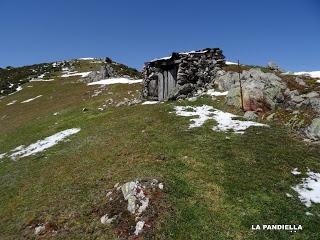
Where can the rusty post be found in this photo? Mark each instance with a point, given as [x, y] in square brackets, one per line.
[241, 96]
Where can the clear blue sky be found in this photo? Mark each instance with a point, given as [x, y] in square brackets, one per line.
[134, 31]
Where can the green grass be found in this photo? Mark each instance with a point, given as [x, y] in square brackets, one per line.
[216, 188]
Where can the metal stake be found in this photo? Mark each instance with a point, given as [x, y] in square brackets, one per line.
[241, 96]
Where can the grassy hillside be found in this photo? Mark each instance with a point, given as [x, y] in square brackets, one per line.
[217, 184]
[11, 78]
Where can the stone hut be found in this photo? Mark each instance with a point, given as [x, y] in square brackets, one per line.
[181, 74]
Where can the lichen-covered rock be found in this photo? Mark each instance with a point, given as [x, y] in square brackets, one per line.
[227, 81]
[261, 91]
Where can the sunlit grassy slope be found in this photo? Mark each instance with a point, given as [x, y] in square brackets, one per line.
[217, 184]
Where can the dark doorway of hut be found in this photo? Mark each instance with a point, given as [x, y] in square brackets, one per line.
[167, 81]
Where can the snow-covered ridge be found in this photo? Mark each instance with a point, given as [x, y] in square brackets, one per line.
[86, 58]
[40, 145]
[231, 63]
[111, 81]
[312, 74]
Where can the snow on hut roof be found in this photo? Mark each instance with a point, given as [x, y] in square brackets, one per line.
[180, 53]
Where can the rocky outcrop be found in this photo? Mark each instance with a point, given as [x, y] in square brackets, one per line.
[106, 71]
[261, 91]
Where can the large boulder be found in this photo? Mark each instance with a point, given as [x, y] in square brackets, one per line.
[261, 91]
[313, 131]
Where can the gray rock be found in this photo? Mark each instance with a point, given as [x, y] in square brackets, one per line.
[297, 99]
[129, 192]
[181, 90]
[310, 95]
[227, 81]
[313, 131]
[315, 104]
[273, 66]
[39, 230]
[250, 115]
[300, 81]
[261, 91]
[105, 72]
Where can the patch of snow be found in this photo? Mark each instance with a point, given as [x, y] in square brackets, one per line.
[10, 103]
[41, 76]
[31, 99]
[312, 74]
[318, 81]
[212, 92]
[187, 53]
[204, 113]
[41, 80]
[72, 74]
[111, 81]
[86, 58]
[160, 186]
[2, 155]
[231, 63]
[150, 102]
[44, 144]
[18, 89]
[56, 113]
[309, 189]
[295, 171]
[139, 228]
[225, 120]
[158, 59]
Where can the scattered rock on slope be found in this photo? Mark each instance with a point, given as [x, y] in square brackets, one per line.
[132, 208]
[273, 66]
